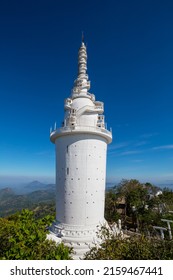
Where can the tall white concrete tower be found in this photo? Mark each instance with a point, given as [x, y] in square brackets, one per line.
[81, 148]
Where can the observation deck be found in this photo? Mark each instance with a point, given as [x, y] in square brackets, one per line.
[77, 129]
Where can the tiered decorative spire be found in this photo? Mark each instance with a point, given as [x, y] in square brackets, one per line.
[81, 84]
[82, 62]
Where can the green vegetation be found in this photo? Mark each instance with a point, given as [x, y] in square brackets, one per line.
[138, 205]
[23, 234]
[11, 202]
[133, 248]
[23, 237]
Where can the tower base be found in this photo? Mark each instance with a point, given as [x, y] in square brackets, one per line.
[80, 238]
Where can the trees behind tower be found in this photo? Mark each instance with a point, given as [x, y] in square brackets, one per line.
[139, 206]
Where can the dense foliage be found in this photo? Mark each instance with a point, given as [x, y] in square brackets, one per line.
[143, 208]
[111, 205]
[133, 248]
[23, 237]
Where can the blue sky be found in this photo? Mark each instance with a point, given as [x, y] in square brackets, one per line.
[130, 65]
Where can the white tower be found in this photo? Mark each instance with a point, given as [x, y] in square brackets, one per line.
[81, 148]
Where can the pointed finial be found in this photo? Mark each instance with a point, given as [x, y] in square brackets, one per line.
[82, 37]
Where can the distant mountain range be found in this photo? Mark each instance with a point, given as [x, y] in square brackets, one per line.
[36, 186]
[168, 185]
[34, 193]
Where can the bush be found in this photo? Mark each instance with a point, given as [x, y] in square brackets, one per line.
[133, 248]
[24, 238]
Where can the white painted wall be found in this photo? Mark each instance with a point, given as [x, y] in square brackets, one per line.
[80, 177]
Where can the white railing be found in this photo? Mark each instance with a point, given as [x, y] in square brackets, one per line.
[99, 107]
[77, 91]
[82, 128]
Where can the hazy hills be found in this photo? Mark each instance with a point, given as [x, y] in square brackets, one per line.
[33, 186]
[33, 194]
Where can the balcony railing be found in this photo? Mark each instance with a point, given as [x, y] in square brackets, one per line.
[81, 128]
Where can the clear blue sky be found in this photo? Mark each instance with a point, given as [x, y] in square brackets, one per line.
[130, 65]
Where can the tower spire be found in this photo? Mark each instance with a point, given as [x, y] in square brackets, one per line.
[82, 61]
[82, 37]
[81, 84]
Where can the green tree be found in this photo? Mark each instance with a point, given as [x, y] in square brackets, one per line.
[132, 248]
[111, 213]
[135, 195]
[22, 237]
[143, 206]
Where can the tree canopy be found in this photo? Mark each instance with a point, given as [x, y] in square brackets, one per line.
[132, 248]
[143, 208]
[23, 237]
